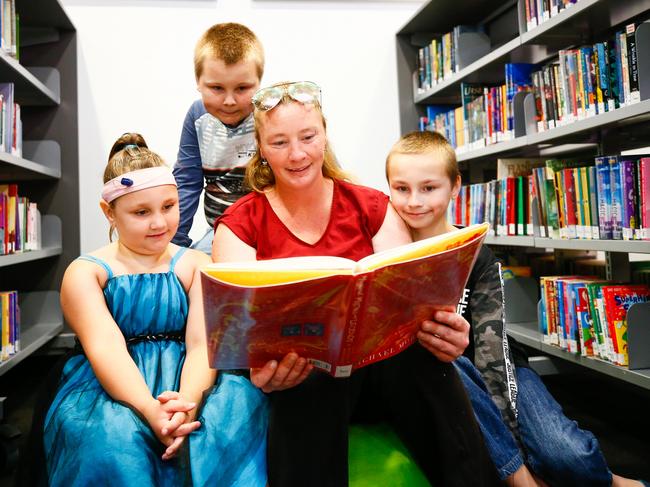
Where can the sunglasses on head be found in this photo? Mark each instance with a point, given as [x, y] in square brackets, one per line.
[301, 91]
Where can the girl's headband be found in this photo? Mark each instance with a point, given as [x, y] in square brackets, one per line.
[137, 180]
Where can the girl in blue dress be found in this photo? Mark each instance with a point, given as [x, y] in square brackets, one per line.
[139, 406]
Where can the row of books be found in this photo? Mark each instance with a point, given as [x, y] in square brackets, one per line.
[20, 222]
[10, 324]
[486, 114]
[539, 11]
[441, 58]
[9, 37]
[587, 81]
[588, 316]
[608, 199]
[11, 127]
[582, 83]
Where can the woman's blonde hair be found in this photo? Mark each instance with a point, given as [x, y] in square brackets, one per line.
[260, 176]
[129, 153]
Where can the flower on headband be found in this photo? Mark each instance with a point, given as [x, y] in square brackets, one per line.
[126, 181]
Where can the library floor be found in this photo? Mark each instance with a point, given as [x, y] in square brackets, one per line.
[617, 413]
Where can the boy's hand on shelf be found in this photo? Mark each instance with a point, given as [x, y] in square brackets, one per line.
[274, 376]
[446, 336]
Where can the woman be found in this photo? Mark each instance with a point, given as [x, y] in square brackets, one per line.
[302, 205]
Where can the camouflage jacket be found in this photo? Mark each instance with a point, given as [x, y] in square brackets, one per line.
[482, 306]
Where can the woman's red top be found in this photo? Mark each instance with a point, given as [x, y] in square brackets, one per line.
[356, 216]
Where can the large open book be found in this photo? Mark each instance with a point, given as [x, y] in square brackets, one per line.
[339, 314]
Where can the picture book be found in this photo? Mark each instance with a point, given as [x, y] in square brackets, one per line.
[337, 313]
[618, 300]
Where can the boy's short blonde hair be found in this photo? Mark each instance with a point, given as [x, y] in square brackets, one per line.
[423, 143]
[230, 42]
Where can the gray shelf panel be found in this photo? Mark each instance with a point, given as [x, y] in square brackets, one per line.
[630, 246]
[14, 168]
[493, 149]
[428, 18]
[624, 114]
[443, 89]
[523, 333]
[41, 13]
[517, 241]
[41, 321]
[566, 16]
[29, 89]
[52, 244]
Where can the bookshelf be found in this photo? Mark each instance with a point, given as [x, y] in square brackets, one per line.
[45, 81]
[625, 128]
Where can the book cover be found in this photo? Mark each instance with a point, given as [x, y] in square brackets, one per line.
[635, 95]
[603, 185]
[338, 313]
[618, 300]
[615, 75]
[593, 201]
[616, 183]
[594, 293]
[644, 197]
[629, 216]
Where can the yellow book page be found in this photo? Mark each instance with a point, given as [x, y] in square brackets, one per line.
[279, 271]
[422, 248]
[297, 269]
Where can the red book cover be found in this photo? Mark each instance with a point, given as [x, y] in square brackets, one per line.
[644, 197]
[339, 314]
[570, 198]
[618, 300]
[511, 206]
[584, 321]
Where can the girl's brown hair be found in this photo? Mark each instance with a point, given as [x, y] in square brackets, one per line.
[129, 153]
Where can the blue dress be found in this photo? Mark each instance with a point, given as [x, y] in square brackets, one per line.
[91, 439]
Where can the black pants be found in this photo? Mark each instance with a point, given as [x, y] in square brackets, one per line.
[422, 398]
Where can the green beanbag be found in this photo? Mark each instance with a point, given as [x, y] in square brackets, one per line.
[378, 457]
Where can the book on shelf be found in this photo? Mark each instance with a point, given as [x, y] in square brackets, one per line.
[10, 121]
[339, 314]
[582, 82]
[446, 55]
[10, 324]
[20, 222]
[539, 11]
[606, 198]
[9, 28]
[617, 300]
[588, 316]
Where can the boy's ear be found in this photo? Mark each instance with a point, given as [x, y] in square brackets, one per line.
[455, 189]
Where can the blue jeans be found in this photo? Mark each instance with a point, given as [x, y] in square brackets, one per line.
[556, 449]
[502, 447]
[205, 244]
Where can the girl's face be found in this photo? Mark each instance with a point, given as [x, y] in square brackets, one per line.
[146, 220]
[420, 191]
[292, 139]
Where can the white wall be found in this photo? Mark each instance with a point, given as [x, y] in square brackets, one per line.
[136, 74]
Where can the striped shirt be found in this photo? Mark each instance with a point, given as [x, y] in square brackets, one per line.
[211, 156]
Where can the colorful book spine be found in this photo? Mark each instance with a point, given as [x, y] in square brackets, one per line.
[629, 217]
[616, 198]
[644, 197]
[593, 201]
